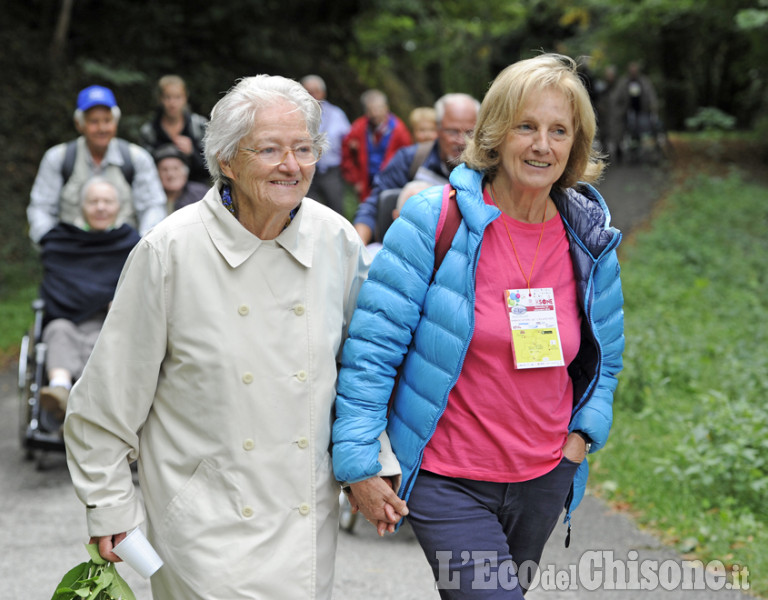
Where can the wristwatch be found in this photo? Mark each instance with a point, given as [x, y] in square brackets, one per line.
[586, 438]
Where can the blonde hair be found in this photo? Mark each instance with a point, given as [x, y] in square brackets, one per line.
[167, 80]
[505, 101]
[422, 114]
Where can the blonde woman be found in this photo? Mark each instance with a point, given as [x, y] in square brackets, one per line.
[508, 358]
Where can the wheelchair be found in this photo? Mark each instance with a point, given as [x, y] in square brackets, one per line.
[645, 139]
[39, 430]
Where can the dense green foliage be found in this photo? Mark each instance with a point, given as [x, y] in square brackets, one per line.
[689, 446]
[690, 403]
[698, 52]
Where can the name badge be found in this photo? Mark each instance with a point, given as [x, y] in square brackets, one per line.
[533, 322]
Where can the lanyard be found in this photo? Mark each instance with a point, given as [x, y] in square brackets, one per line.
[541, 236]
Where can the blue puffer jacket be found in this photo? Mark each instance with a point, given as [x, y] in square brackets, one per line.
[398, 312]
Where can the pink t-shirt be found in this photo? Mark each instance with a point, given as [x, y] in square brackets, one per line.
[502, 424]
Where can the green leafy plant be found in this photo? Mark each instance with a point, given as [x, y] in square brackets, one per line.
[709, 118]
[96, 579]
[761, 135]
[689, 447]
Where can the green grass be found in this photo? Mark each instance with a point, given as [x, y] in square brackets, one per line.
[19, 288]
[689, 448]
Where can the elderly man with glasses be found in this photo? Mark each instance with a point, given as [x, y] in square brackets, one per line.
[431, 161]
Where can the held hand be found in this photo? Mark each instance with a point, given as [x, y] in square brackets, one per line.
[379, 503]
[107, 543]
[381, 526]
[365, 232]
[575, 448]
[353, 503]
[184, 144]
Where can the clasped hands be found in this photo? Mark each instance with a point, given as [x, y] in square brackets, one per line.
[379, 503]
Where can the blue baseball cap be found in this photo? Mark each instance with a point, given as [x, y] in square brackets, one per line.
[95, 95]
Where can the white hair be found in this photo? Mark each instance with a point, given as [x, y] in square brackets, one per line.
[234, 115]
[97, 180]
[447, 99]
[80, 114]
[307, 79]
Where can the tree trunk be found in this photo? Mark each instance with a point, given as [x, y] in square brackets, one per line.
[59, 41]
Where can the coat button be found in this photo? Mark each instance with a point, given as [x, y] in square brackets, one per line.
[248, 444]
[247, 512]
[247, 377]
[303, 442]
[243, 309]
[298, 309]
[304, 508]
[301, 375]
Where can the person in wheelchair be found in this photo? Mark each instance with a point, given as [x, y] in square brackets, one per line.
[81, 265]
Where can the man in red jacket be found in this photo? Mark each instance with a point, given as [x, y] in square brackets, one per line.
[371, 142]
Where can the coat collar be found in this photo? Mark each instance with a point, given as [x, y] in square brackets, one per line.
[236, 244]
[582, 208]
[469, 195]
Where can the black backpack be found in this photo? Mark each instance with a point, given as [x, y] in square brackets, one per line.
[71, 153]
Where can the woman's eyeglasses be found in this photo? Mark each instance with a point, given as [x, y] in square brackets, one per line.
[274, 155]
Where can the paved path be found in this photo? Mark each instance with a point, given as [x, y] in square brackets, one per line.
[42, 524]
[631, 193]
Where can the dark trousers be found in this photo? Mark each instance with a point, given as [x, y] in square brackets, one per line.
[476, 535]
[328, 188]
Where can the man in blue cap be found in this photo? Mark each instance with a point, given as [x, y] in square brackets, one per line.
[65, 168]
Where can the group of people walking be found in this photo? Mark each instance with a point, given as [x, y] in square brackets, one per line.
[128, 188]
[627, 107]
[254, 360]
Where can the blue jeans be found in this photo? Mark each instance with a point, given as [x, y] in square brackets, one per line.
[477, 534]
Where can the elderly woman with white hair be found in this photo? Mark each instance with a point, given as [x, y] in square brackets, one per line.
[81, 266]
[216, 368]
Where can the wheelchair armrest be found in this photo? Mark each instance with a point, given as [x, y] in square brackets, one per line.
[38, 305]
[387, 203]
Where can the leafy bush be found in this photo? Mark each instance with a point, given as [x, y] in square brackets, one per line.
[761, 135]
[709, 118]
[725, 450]
[689, 448]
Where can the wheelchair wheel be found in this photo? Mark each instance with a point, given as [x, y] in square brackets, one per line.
[26, 368]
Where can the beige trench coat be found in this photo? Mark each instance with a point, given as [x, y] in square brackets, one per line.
[216, 369]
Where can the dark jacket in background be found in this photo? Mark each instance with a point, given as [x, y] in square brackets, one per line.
[81, 269]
